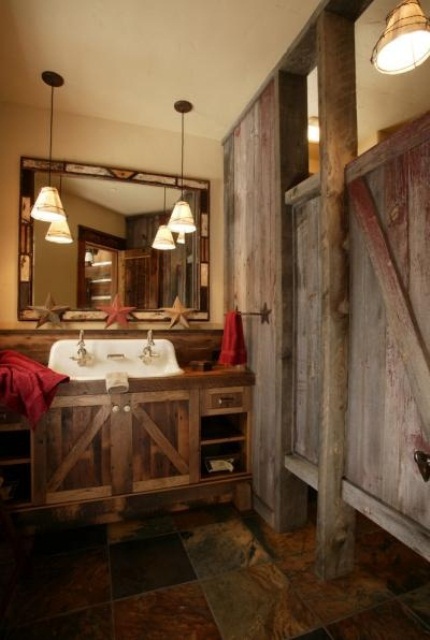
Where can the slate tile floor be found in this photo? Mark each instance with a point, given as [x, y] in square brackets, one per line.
[214, 574]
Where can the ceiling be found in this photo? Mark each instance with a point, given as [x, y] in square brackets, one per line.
[130, 60]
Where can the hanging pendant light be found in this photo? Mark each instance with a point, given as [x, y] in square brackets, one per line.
[182, 219]
[405, 43]
[163, 239]
[48, 206]
[59, 230]
[181, 238]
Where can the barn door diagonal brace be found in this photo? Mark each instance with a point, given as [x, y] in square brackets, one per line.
[397, 304]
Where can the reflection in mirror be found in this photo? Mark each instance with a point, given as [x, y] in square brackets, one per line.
[114, 215]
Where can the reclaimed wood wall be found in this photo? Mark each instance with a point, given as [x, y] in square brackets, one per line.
[390, 333]
[190, 344]
[259, 272]
[251, 277]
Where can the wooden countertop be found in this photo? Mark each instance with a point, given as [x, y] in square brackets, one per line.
[219, 376]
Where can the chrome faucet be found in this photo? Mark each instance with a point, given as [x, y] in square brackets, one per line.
[148, 352]
[82, 356]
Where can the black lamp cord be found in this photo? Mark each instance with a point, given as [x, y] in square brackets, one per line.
[51, 122]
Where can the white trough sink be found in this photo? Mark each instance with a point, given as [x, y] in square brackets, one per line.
[112, 356]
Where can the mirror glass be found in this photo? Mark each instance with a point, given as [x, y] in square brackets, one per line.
[113, 215]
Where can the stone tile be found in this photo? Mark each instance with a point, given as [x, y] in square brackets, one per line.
[140, 529]
[258, 603]
[89, 624]
[389, 621]
[419, 602]
[144, 565]
[61, 583]
[401, 568]
[68, 540]
[340, 597]
[176, 613]
[317, 634]
[191, 518]
[282, 545]
[221, 547]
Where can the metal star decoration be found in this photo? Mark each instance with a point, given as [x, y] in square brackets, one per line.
[178, 313]
[49, 312]
[116, 312]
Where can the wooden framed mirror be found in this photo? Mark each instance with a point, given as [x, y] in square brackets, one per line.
[127, 206]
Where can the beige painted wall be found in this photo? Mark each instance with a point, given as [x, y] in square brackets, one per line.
[24, 132]
[65, 256]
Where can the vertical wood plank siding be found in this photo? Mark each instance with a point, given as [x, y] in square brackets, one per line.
[384, 425]
[268, 154]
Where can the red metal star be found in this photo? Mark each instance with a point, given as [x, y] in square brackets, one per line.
[116, 312]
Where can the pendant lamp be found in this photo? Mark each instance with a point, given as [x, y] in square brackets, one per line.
[163, 239]
[59, 230]
[181, 238]
[48, 206]
[405, 43]
[181, 219]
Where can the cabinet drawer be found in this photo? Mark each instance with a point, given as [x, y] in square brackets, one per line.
[224, 399]
[11, 421]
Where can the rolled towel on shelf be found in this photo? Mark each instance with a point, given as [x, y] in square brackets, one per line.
[116, 382]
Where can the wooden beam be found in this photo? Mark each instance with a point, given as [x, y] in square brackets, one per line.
[398, 308]
[303, 469]
[301, 56]
[337, 109]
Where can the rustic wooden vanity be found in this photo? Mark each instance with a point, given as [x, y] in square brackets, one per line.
[165, 444]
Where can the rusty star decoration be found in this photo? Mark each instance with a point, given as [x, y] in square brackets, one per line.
[178, 313]
[49, 312]
[116, 312]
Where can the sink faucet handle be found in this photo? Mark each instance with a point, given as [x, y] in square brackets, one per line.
[150, 339]
[81, 337]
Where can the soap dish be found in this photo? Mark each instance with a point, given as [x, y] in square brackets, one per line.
[201, 365]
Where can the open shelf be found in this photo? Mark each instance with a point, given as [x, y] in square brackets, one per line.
[223, 445]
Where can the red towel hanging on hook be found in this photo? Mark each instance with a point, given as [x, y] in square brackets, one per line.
[233, 348]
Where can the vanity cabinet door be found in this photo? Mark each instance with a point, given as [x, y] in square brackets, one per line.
[72, 456]
[165, 428]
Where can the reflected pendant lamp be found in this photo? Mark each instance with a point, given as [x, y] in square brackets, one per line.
[405, 43]
[48, 206]
[181, 219]
[59, 232]
[163, 239]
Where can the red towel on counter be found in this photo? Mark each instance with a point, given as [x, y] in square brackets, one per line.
[26, 386]
[233, 349]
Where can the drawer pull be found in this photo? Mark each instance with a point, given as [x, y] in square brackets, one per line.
[226, 400]
[127, 408]
[115, 408]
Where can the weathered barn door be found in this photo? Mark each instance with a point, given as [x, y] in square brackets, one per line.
[389, 374]
[303, 454]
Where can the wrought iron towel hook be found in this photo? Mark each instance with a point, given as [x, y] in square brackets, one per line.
[264, 313]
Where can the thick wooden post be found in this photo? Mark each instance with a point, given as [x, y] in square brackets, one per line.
[337, 113]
